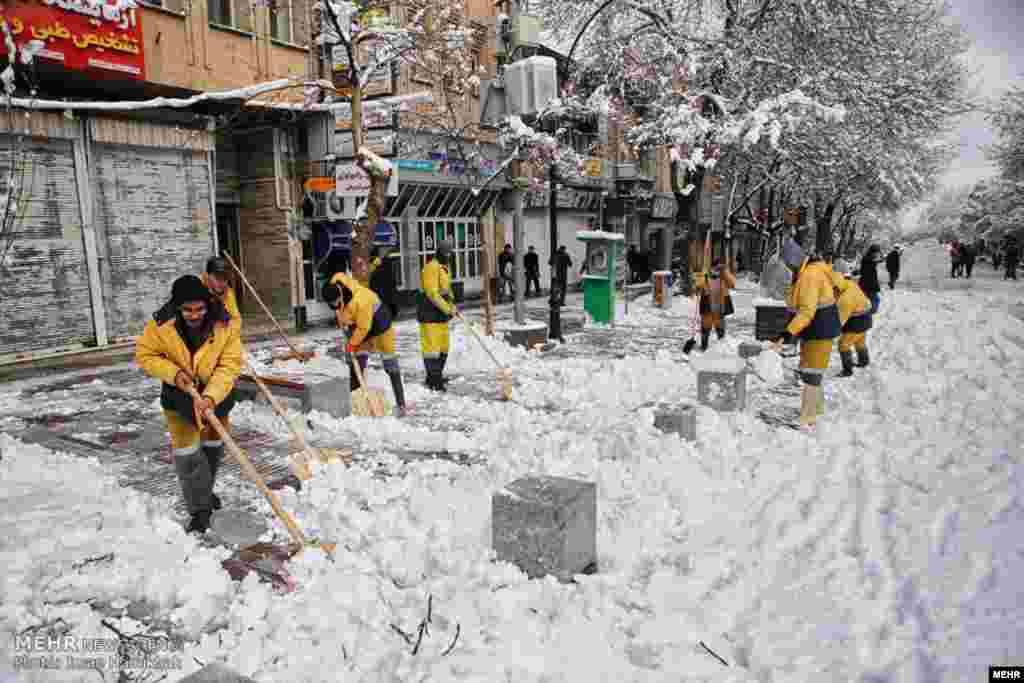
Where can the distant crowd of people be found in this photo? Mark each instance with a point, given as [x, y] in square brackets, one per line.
[962, 257]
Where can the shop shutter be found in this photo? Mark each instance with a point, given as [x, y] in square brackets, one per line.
[153, 206]
[44, 281]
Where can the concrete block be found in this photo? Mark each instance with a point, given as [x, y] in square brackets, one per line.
[330, 395]
[750, 349]
[723, 391]
[677, 419]
[546, 525]
[216, 673]
[573, 322]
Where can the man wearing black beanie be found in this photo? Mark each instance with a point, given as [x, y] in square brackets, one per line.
[190, 342]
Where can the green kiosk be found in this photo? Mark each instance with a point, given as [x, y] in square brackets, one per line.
[603, 253]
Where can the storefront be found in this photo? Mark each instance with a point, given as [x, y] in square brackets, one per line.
[111, 211]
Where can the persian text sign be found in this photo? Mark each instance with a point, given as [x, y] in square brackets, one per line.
[81, 34]
[351, 180]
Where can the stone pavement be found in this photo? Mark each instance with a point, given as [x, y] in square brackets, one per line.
[113, 413]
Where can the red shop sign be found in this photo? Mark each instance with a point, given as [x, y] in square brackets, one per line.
[81, 34]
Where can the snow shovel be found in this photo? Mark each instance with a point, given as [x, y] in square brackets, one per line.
[298, 461]
[299, 540]
[303, 356]
[504, 374]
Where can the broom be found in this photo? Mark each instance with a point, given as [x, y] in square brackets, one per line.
[299, 540]
[299, 461]
[504, 374]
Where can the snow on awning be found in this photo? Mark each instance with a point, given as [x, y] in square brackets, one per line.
[440, 201]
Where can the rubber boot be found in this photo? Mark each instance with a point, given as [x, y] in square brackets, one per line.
[809, 405]
[396, 385]
[434, 382]
[688, 346]
[863, 358]
[847, 358]
[720, 330]
[704, 336]
[199, 523]
[440, 371]
[214, 456]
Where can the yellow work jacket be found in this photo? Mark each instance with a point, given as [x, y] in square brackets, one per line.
[363, 313]
[161, 353]
[813, 301]
[852, 300]
[230, 301]
[436, 297]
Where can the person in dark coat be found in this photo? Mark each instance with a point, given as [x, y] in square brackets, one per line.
[892, 264]
[384, 282]
[633, 263]
[955, 259]
[506, 263]
[531, 264]
[561, 263]
[1011, 254]
[967, 257]
[869, 276]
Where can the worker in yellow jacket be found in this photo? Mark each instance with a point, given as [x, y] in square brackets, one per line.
[359, 311]
[855, 318]
[191, 342]
[815, 322]
[714, 287]
[436, 306]
[217, 279]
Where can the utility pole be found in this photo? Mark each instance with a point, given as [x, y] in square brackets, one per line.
[519, 228]
[557, 287]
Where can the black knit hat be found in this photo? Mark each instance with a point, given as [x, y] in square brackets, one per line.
[189, 288]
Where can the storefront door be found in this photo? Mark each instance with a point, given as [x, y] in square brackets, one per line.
[464, 235]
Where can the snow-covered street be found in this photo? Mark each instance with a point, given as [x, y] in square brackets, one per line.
[887, 546]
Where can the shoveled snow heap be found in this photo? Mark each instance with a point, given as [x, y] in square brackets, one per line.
[887, 547]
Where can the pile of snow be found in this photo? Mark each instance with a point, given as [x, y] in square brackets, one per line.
[769, 368]
[887, 546]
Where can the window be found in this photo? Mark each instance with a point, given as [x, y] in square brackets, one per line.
[281, 21]
[236, 14]
[464, 235]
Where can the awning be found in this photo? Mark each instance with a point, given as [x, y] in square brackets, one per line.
[440, 201]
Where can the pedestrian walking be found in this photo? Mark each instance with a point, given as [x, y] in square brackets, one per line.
[435, 308]
[192, 343]
[967, 258]
[868, 281]
[561, 264]
[368, 326]
[956, 263]
[384, 281]
[531, 265]
[506, 263]
[714, 287]
[815, 322]
[1011, 254]
[892, 264]
[855, 319]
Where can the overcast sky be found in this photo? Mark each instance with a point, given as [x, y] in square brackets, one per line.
[997, 27]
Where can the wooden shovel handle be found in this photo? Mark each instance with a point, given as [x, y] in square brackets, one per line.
[252, 473]
[484, 346]
[278, 408]
[266, 310]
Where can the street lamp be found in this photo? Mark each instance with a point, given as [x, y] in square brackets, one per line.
[555, 300]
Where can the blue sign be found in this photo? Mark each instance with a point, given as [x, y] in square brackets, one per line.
[384, 235]
[417, 165]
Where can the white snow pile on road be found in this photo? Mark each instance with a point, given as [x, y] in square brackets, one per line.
[889, 546]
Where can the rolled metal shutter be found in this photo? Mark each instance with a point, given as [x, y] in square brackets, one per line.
[153, 204]
[44, 280]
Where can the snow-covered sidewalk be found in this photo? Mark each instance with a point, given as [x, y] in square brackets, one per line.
[887, 547]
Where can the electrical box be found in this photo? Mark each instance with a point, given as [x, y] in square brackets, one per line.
[493, 109]
[530, 85]
[526, 30]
